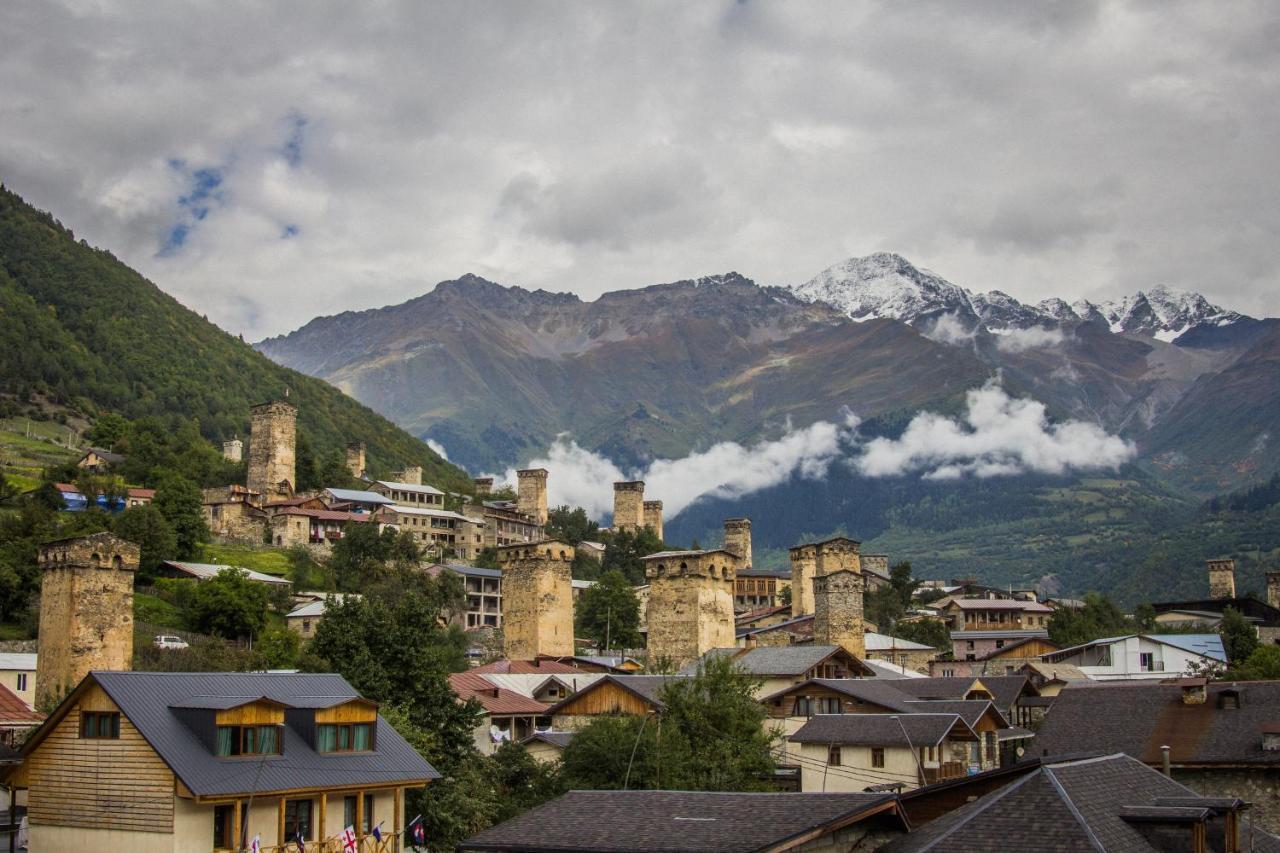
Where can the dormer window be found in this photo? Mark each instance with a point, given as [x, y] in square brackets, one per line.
[248, 740]
[344, 737]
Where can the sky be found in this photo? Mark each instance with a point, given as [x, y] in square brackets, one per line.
[269, 163]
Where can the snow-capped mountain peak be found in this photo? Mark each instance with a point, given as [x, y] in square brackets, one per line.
[883, 285]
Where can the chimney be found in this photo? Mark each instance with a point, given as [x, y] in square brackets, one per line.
[737, 539]
[1273, 589]
[484, 486]
[1222, 578]
[1164, 761]
[1195, 691]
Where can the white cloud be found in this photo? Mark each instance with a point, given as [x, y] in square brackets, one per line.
[1035, 337]
[951, 330]
[998, 436]
[438, 448]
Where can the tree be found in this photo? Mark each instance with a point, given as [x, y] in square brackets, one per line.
[931, 632]
[364, 555]
[571, 525]
[608, 613]
[1098, 618]
[228, 605]
[1262, 665]
[178, 499]
[108, 429]
[520, 781]
[624, 549]
[1239, 638]
[147, 527]
[279, 647]
[486, 558]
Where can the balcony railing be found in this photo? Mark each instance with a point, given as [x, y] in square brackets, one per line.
[390, 843]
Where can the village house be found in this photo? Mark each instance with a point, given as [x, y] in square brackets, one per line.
[409, 494]
[1137, 656]
[986, 614]
[780, 667]
[18, 674]
[451, 534]
[904, 653]
[517, 697]
[756, 588]
[234, 514]
[1223, 737]
[355, 500]
[484, 595]
[138, 497]
[503, 524]
[547, 747]
[306, 617]
[1006, 659]
[99, 460]
[850, 752]
[973, 645]
[610, 695]
[188, 753]
[16, 718]
[1264, 615]
[662, 821]
[208, 571]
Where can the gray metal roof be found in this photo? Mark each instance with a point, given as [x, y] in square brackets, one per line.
[359, 496]
[148, 700]
[208, 571]
[773, 660]
[880, 729]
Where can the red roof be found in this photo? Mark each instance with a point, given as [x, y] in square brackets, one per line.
[66, 487]
[526, 667]
[142, 493]
[14, 712]
[496, 700]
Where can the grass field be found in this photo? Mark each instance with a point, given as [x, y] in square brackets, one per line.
[269, 561]
[28, 446]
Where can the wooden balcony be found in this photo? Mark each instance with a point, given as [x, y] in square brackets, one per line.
[947, 770]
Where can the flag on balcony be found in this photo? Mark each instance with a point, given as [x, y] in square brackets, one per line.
[417, 833]
[377, 832]
[255, 846]
[302, 842]
[348, 839]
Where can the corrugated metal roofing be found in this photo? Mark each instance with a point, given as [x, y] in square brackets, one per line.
[146, 699]
[409, 487]
[359, 496]
[880, 729]
[207, 571]
[18, 660]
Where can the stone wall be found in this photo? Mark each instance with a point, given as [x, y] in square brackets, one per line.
[653, 517]
[837, 613]
[1222, 579]
[537, 600]
[1260, 787]
[1273, 589]
[690, 607]
[235, 522]
[410, 475]
[86, 611]
[628, 505]
[233, 450]
[531, 494]
[272, 443]
[804, 563]
[737, 539]
[355, 459]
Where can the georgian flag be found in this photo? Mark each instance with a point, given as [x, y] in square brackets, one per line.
[418, 832]
[255, 846]
[348, 839]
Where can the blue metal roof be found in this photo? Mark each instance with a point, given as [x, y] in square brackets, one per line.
[358, 496]
[1209, 645]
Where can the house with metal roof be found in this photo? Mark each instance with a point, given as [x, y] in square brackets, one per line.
[778, 667]
[205, 761]
[1141, 656]
[18, 674]
[714, 822]
[208, 571]
[307, 616]
[355, 500]
[849, 752]
[16, 717]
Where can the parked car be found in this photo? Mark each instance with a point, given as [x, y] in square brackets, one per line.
[167, 641]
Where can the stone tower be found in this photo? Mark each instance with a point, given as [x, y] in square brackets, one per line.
[804, 563]
[410, 475]
[537, 599]
[653, 517]
[628, 505]
[1222, 578]
[838, 587]
[737, 539]
[233, 450]
[690, 609]
[86, 611]
[1273, 589]
[272, 441]
[484, 486]
[531, 493]
[355, 459]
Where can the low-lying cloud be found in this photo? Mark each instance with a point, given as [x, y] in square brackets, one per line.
[997, 436]
[1035, 337]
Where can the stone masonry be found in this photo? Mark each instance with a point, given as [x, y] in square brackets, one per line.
[355, 459]
[86, 611]
[1273, 589]
[537, 599]
[690, 608]
[737, 540]
[233, 450]
[531, 494]
[653, 517]
[628, 505]
[1222, 578]
[837, 612]
[804, 563]
[484, 486]
[410, 475]
[272, 442]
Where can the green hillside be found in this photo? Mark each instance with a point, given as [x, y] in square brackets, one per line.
[79, 327]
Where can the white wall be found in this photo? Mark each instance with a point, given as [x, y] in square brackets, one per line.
[1126, 661]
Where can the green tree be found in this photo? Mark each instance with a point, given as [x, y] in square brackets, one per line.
[636, 753]
[520, 781]
[571, 525]
[608, 614]
[931, 632]
[150, 530]
[279, 647]
[1262, 665]
[1239, 638]
[624, 549]
[108, 429]
[486, 558]
[364, 555]
[228, 605]
[1100, 617]
[178, 499]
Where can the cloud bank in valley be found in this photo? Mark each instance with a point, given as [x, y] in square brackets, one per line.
[998, 435]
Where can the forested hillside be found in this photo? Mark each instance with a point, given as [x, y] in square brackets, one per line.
[79, 327]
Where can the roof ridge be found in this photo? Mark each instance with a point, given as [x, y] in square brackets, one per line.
[1071, 807]
[995, 797]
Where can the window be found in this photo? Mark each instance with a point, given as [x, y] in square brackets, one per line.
[1146, 661]
[833, 756]
[99, 724]
[297, 819]
[877, 756]
[349, 813]
[969, 644]
[349, 737]
[948, 673]
[306, 626]
[224, 826]
[22, 681]
[803, 707]
[829, 705]
[248, 740]
[999, 644]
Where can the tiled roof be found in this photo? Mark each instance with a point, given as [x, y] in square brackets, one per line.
[870, 690]
[141, 493]
[669, 821]
[914, 730]
[1138, 718]
[147, 700]
[1077, 805]
[14, 712]
[494, 699]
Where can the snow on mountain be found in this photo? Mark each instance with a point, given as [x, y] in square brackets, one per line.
[886, 285]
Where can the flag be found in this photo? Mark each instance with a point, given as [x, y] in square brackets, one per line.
[377, 831]
[302, 842]
[417, 832]
[255, 846]
[348, 838]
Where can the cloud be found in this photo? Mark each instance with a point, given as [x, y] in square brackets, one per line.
[998, 436]
[438, 448]
[951, 330]
[546, 145]
[1034, 337]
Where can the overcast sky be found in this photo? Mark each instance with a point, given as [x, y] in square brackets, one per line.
[266, 168]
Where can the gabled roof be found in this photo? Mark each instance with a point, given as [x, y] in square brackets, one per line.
[868, 690]
[494, 699]
[1205, 645]
[775, 660]
[914, 730]
[15, 713]
[886, 642]
[317, 608]
[557, 739]
[1004, 689]
[1014, 646]
[409, 487]
[999, 604]
[541, 665]
[359, 496]
[1139, 717]
[1088, 805]
[648, 688]
[669, 821]
[969, 710]
[148, 699]
[104, 455]
[207, 571]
